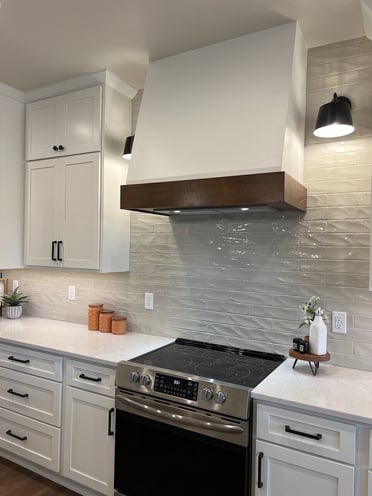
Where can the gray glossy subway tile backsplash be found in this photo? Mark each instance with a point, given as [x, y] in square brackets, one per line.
[240, 279]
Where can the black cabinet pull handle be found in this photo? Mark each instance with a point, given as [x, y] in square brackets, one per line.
[53, 248]
[61, 147]
[259, 482]
[110, 432]
[55, 148]
[304, 434]
[10, 391]
[59, 244]
[21, 438]
[95, 379]
[13, 359]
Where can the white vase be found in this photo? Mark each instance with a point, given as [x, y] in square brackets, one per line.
[14, 312]
[318, 336]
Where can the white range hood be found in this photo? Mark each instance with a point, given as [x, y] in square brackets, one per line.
[235, 108]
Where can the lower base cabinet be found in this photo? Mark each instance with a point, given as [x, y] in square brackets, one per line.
[282, 471]
[299, 453]
[88, 439]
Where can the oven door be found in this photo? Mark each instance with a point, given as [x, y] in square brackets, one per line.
[162, 448]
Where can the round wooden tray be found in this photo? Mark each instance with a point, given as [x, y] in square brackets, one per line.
[309, 357]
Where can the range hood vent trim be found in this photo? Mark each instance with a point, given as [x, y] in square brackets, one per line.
[277, 190]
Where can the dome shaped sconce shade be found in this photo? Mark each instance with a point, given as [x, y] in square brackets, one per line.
[334, 118]
[127, 153]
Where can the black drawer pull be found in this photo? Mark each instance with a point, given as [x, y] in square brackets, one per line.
[13, 359]
[21, 438]
[110, 432]
[259, 482]
[95, 379]
[10, 391]
[304, 434]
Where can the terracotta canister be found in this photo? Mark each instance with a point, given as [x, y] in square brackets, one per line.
[93, 316]
[119, 325]
[105, 320]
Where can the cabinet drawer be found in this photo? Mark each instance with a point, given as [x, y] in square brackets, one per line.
[90, 377]
[315, 435]
[32, 362]
[32, 396]
[38, 442]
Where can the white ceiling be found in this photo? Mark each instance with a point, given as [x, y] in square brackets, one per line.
[46, 41]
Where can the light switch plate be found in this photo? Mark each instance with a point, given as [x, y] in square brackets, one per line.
[149, 301]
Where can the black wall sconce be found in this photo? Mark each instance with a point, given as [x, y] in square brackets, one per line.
[127, 153]
[334, 118]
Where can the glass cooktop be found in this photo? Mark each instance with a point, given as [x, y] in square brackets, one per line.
[210, 361]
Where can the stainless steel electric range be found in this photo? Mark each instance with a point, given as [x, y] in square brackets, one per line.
[183, 419]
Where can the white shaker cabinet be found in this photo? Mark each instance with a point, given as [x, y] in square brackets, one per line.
[72, 213]
[297, 453]
[12, 109]
[88, 426]
[63, 212]
[67, 124]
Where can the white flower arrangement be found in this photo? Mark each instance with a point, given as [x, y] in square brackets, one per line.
[309, 310]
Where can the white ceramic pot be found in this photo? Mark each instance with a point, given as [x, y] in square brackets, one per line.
[14, 312]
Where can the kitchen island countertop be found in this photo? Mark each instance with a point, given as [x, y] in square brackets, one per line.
[337, 391]
[76, 341]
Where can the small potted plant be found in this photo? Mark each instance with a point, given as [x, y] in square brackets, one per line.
[13, 302]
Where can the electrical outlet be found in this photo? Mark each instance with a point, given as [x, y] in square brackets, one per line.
[339, 320]
[15, 284]
[71, 293]
[149, 301]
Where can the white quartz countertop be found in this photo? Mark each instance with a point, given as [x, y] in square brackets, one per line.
[336, 391]
[75, 340]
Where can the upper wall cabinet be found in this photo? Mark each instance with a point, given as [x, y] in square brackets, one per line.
[68, 124]
[12, 110]
[72, 213]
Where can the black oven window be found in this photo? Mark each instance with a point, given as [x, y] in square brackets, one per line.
[152, 458]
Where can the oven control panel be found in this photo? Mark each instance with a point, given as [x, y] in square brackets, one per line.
[223, 398]
[176, 386]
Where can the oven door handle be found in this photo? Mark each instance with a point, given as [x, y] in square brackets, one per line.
[175, 417]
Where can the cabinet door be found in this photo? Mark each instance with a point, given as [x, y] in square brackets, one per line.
[64, 125]
[41, 212]
[88, 439]
[288, 472]
[81, 216]
[62, 227]
[81, 121]
[42, 128]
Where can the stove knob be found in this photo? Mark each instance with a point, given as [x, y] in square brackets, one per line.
[207, 394]
[134, 377]
[220, 397]
[145, 379]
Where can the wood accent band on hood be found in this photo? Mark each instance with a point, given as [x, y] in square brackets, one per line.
[273, 189]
